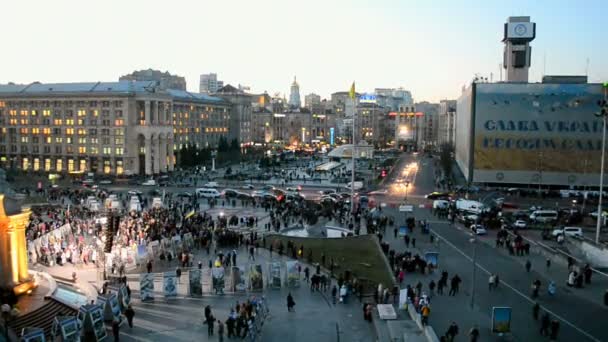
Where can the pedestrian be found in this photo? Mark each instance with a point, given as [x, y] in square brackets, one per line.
[432, 288]
[548, 263]
[130, 313]
[535, 311]
[251, 253]
[528, 266]
[116, 330]
[425, 312]
[587, 272]
[474, 334]
[407, 241]
[544, 325]
[491, 280]
[395, 232]
[290, 303]
[334, 293]
[306, 274]
[440, 285]
[554, 330]
[454, 285]
[413, 242]
[220, 331]
[210, 324]
[452, 331]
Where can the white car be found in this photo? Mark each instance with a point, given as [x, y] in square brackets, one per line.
[211, 185]
[569, 231]
[149, 182]
[478, 229]
[520, 224]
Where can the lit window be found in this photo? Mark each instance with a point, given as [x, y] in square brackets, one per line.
[23, 130]
[24, 113]
[59, 165]
[47, 165]
[34, 113]
[119, 151]
[24, 139]
[107, 150]
[13, 121]
[24, 121]
[82, 131]
[82, 112]
[69, 122]
[94, 150]
[58, 140]
[70, 165]
[58, 122]
[35, 130]
[36, 164]
[82, 149]
[12, 112]
[118, 122]
[46, 130]
[95, 113]
[46, 112]
[48, 140]
[82, 140]
[69, 131]
[80, 122]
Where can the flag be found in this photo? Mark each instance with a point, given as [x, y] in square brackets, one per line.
[190, 214]
[351, 93]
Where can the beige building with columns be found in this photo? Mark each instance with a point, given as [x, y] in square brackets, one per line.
[125, 127]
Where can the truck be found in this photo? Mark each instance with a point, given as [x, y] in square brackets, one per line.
[469, 206]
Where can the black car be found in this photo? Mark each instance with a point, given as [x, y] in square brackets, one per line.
[437, 195]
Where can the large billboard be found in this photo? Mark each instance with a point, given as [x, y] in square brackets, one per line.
[535, 133]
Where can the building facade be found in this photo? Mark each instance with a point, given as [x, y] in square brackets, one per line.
[209, 83]
[428, 125]
[109, 128]
[165, 79]
[294, 95]
[312, 102]
[446, 122]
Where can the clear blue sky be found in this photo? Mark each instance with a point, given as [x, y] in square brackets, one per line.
[432, 48]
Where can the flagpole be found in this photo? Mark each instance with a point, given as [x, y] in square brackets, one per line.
[352, 178]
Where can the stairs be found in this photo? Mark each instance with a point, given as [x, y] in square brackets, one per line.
[42, 317]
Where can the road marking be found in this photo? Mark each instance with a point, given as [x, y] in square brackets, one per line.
[516, 290]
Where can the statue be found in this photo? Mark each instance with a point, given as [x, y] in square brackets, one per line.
[4, 186]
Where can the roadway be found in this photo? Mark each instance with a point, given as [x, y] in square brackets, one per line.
[578, 313]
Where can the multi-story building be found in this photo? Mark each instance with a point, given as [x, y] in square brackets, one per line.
[107, 127]
[294, 95]
[240, 117]
[428, 136]
[313, 103]
[446, 122]
[209, 83]
[165, 79]
[370, 122]
[394, 99]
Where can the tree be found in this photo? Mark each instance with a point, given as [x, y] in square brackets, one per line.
[222, 144]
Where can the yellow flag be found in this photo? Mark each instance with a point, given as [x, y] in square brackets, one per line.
[351, 93]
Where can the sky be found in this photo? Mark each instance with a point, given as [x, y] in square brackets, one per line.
[433, 48]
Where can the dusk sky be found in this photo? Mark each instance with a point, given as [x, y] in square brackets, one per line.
[432, 48]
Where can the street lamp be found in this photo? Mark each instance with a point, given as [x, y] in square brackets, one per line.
[474, 242]
[603, 113]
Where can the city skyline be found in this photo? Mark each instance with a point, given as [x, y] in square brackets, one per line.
[393, 44]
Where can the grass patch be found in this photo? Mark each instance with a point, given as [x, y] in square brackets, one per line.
[361, 255]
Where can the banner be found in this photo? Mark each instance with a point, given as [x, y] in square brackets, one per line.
[206, 280]
[256, 281]
[218, 279]
[170, 284]
[431, 258]
[403, 299]
[274, 275]
[238, 279]
[177, 244]
[146, 287]
[291, 274]
[167, 247]
[501, 320]
[196, 288]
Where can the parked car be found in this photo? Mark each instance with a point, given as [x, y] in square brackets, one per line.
[149, 182]
[478, 229]
[211, 185]
[520, 224]
[229, 193]
[568, 231]
[105, 182]
[207, 193]
[437, 195]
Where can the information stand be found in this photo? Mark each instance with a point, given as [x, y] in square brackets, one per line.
[29, 334]
[66, 328]
[109, 305]
[90, 318]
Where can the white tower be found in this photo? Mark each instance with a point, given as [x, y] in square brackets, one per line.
[294, 96]
[519, 32]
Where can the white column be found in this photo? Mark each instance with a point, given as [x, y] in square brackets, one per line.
[148, 156]
[156, 163]
[163, 154]
[147, 113]
[171, 164]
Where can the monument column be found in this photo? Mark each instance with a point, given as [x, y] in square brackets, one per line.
[20, 221]
[147, 113]
[6, 270]
[156, 144]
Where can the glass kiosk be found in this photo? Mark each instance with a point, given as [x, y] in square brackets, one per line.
[109, 305]
[90, 318]
[29, 334]
[66, 327]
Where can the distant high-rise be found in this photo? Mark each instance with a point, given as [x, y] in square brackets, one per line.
[312, 102]
[294, 96]
[165, 79]
[209, 83]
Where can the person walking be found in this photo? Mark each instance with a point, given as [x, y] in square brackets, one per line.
[432, 289]
[554, 330]
[130, 313]
[474, 334]
[116, 330]
[528, 266]
[425, 312]
[454, 285]
[220, 331]
[334, 293]
[290, 303]
[544, 324]
[452, 332]
[210, 325]
[491, 280]
[535, 311]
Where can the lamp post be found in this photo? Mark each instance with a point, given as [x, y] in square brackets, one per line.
[474, 242]
[602, 113]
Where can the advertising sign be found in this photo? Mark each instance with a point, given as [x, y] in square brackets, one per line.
[431, 258]
[238, 279]
[403, 231]
[367, 98]
[501, 320]
[170, 284]
[520, 30]
[534, 133]
[292, 274]
[218, 279]
[331, 135]
[146, 287]
[196, 288]
[206, 280]
[274, 274]
[256, 280]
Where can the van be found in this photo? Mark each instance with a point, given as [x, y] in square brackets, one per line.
[440, 204]
[207, 193]
[569, 231]
[543, 216]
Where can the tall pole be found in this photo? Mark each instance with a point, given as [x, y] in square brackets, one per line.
[354, 152]
[540, 172]
[474, 240]
[599, 202]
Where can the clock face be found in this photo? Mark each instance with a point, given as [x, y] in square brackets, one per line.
[520, 29]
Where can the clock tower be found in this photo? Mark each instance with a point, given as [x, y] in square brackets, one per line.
[518, 34]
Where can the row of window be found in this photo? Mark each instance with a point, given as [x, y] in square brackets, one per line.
[72, 165]
[118, 151]
[61, 122]
[57, 104]
[58, 131]
[68, 113]
[61, 140]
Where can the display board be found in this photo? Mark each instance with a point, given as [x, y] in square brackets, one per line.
[256, 279]
[238, 279]
[274, 275]
[196, 288]
[291, 274]
[146, 287]
[501, 320]
[217, 274]
[169, 284]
